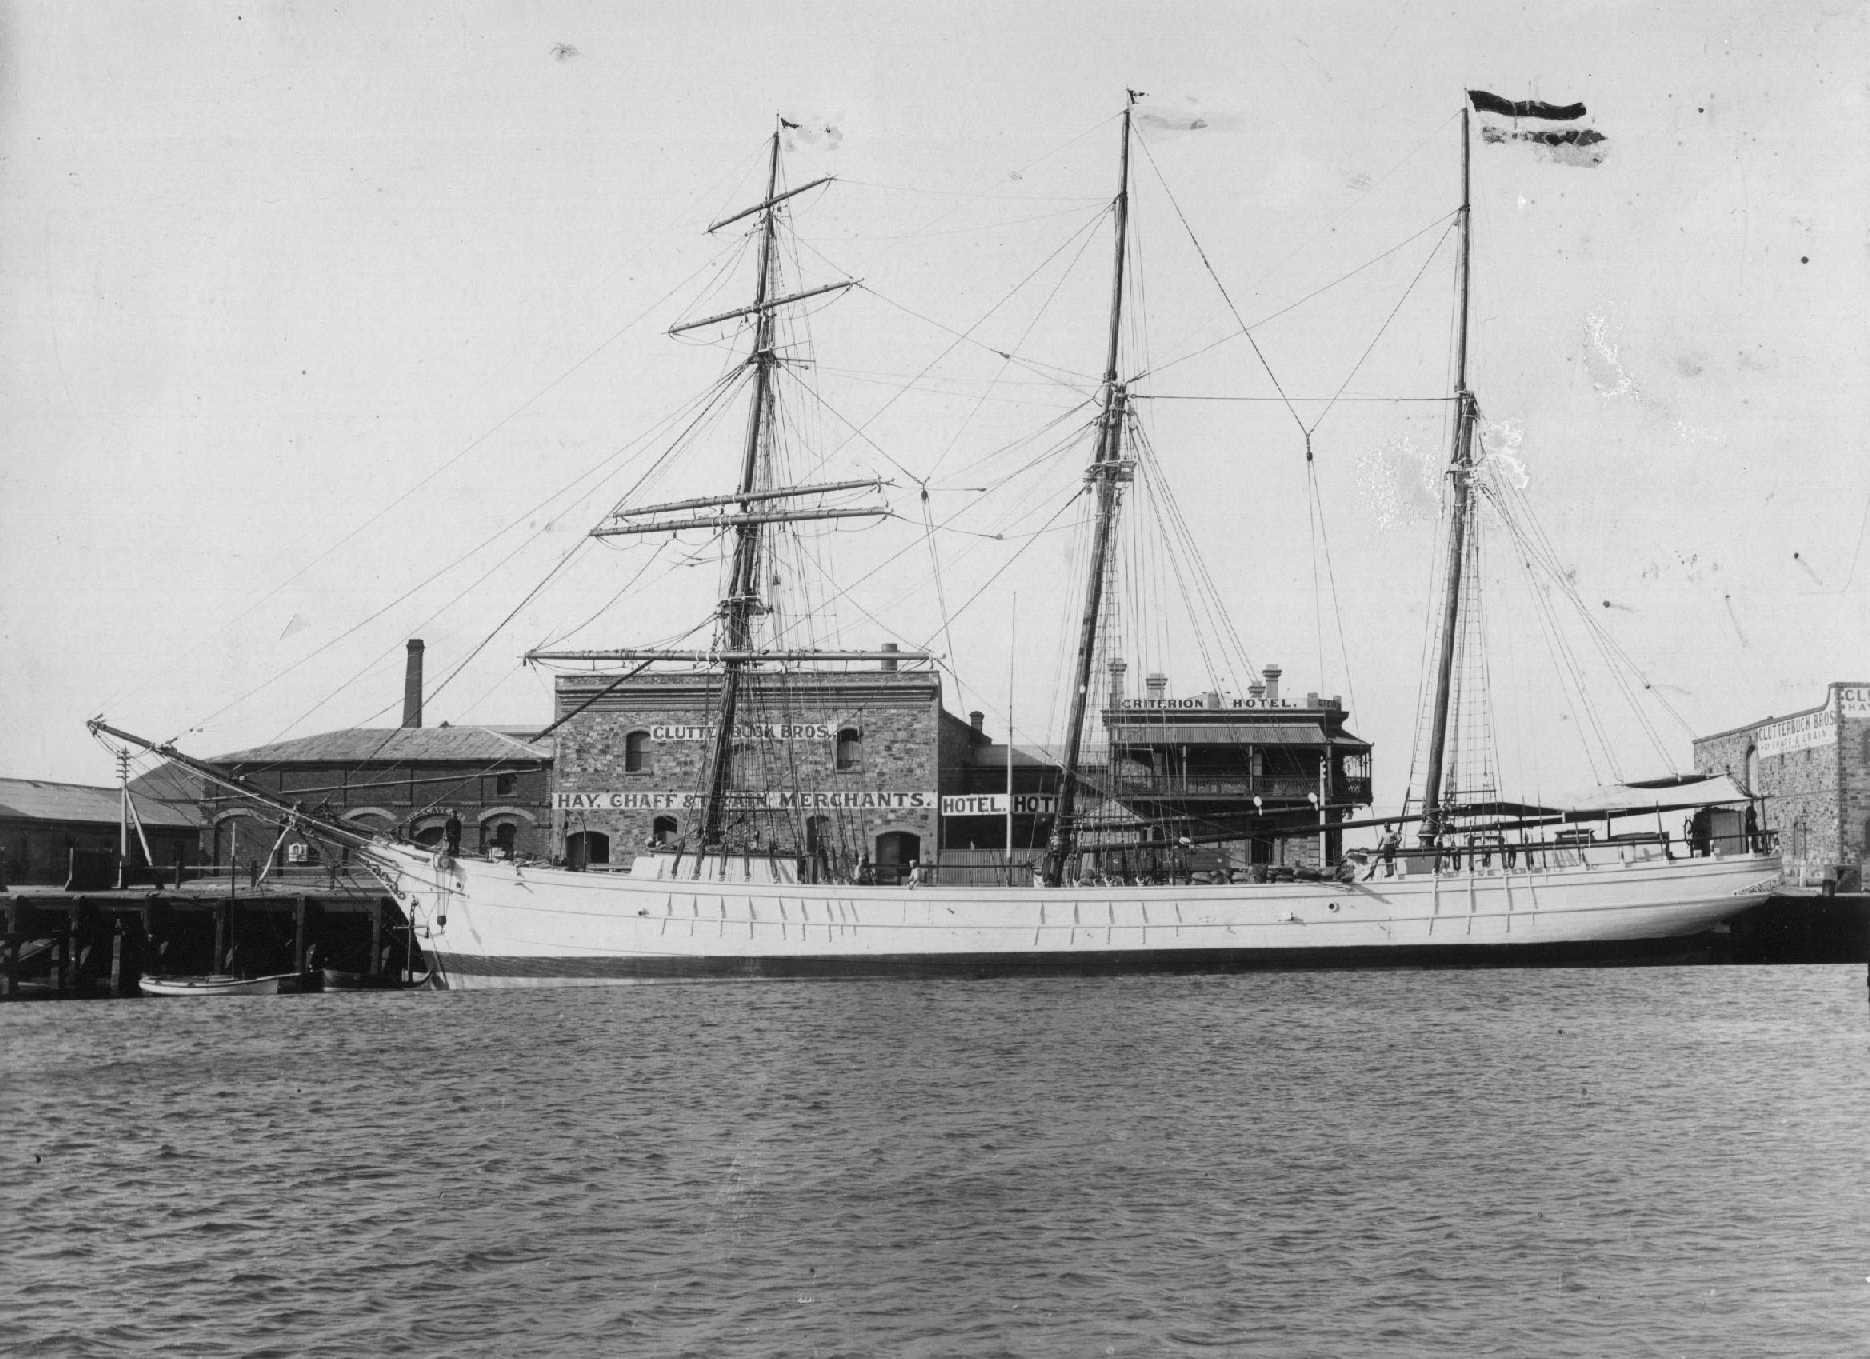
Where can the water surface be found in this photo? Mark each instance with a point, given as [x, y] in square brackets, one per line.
[1545, 1163]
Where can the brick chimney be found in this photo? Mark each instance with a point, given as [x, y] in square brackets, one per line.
[977, 719]
[1272, 674]
[1117, 669]
[412, 685]
[890, 664]
[1158, 685]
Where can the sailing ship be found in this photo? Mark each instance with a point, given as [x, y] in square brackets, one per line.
[1473, 887]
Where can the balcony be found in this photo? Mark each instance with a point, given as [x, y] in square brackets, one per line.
[1238, 787]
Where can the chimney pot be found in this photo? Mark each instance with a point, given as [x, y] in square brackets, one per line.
[412, 685]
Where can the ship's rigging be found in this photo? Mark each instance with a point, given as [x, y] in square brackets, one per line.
[778, 602]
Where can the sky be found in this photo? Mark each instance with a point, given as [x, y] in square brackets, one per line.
[317, 318]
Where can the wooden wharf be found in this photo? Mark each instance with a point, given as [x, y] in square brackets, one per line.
[98, 942]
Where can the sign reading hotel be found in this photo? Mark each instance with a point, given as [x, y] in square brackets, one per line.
[994, 804]
[748, 731]
[840, 800]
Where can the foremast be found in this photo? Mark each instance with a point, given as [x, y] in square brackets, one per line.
[1107, 471]
[1460, 475]
[743, 581]
[749, 511]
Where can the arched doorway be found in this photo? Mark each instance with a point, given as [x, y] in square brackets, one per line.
[896, 850]
[587, 849]
[240, 837]
[499, 839]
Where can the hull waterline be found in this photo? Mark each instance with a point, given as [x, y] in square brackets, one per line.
[496, 925]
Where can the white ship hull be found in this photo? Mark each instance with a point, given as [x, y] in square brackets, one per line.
[491, 924]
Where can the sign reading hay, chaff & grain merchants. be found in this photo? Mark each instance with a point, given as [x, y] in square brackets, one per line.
[836, 800]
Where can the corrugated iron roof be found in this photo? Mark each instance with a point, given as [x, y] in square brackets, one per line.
[399, 745]
[993, 756]
[38, 800]
[169, 783]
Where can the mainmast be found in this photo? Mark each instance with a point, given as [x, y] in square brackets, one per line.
[743, 582]
[1108, 470]
[1460, 472]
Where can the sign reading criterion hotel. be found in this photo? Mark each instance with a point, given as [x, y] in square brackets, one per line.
[839, 800]
[1189, 704]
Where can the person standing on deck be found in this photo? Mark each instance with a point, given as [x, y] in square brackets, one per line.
[1392, 840]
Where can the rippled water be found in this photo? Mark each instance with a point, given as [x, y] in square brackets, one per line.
[1547, 1163]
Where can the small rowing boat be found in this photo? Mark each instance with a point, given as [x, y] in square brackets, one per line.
[216, 985]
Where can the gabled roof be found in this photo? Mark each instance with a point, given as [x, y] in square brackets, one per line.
[39, 800]
[400, 745]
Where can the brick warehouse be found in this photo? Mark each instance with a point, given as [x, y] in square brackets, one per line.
[1811, 773]
[868, 751]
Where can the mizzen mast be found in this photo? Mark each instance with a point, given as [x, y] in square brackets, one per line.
[1460, 473]
[1107, 471]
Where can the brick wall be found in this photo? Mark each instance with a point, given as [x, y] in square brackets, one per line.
[1817, 797]
[1854, 782]
[897, 716]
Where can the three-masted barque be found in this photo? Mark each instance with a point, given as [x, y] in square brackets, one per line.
[715, 909]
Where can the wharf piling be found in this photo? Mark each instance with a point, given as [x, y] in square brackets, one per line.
[59, 945]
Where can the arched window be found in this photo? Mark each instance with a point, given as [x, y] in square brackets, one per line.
[663, 831]
[636, 752]
[850, 748]
[1753, 769]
